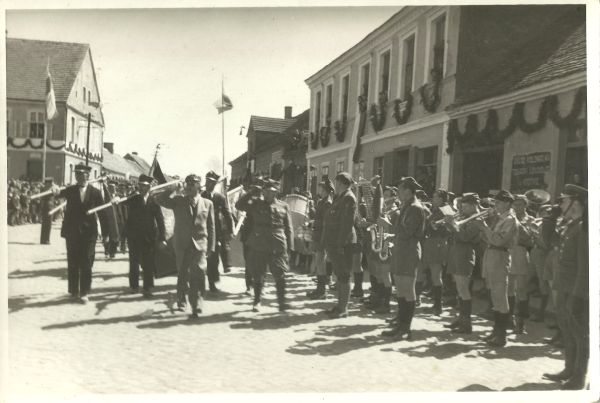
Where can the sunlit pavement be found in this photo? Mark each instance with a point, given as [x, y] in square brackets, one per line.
[123, 343]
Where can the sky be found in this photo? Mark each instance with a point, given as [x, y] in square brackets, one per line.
[159, 72]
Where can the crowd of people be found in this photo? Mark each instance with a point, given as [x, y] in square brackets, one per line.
[21, 209]
[403, 239]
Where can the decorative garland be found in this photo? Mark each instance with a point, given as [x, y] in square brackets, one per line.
[432, 100]
[491, 133]
[402, 113]
[324, 135]
[340, 129]
[30, 143]
[377, 115]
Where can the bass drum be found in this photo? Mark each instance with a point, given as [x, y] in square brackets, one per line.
[299, 214]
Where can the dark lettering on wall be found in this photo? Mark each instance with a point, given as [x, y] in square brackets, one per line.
[529, 171]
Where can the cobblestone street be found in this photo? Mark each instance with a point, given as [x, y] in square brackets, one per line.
[122, 343]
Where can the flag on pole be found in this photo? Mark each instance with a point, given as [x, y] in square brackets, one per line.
[50, 99]
[224, 104]
[156, 172]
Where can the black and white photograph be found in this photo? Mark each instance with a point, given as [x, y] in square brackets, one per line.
[323, 201]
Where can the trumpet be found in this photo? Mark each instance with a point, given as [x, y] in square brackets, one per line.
[483, 214]
[440, 222]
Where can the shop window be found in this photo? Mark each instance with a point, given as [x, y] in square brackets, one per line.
[426, 169]
[408, 55]
[378, 166]
[324, 172]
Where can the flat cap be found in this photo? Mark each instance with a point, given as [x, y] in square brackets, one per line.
[212, 175]
[505, 196]
[82, 168]
[145, 179]
[410, 183]
[471, 198]
[327, 185]
[345, 178]
[193, 178]
[575, 192]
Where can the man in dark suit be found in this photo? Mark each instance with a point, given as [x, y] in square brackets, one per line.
[47, 204]
[193, 240]
[80, 231]
[223, 229]
[145, 227]
[339, 237]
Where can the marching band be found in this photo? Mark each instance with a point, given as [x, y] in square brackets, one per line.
[394, 234]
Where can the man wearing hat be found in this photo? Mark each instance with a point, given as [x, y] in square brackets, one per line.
[193, 240]
[325, 191]
[571, 288]
[496, 264]
[47, 204]
[145, 228]
[223, 228]
[80, 231]
[461, 258]
[409, 230]
[269, 240]
[338, 238]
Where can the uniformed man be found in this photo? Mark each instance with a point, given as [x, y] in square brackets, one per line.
[270, 239]
[571, 288]
[80, 231]
[47, 204]
[339, 236]
[461, 258]
[325, 191]
[224, 230]
[497, 265]
[409, 230]
[542, 244]
[193, 240]
[145, 230]
[520, 266]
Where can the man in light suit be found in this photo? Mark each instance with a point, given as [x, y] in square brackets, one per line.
[193, 240]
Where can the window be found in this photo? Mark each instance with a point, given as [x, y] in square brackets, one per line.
[384, 84]
[89, 97]
[378, 166]
[72, 130]
[340, 166]
[427, 169]
[84, 95]
[70, 173]
[345, 87]
[8, 122]
[324, 171]
[408, 55]
[438, 36]
[318, 112]
[364, 81]
[328, 104]
[36, 125]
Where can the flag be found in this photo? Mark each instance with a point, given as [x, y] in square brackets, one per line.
[50, 99]
[156, 172]
[224, 104]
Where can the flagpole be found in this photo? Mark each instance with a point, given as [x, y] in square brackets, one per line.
[44, 152]
[222, 129]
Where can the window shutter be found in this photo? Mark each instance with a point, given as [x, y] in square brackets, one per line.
[388, 168]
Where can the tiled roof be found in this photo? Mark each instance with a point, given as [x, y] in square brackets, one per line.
[300, 122]
[142, 165]
[558, 51]
[26, 62]
[135, 168]
[270, 125]
[116, 163]
[242, 157]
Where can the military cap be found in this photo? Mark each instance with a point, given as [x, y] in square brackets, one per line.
[421, 195]
[82, 168]
[345, 178]
[443, 194]
[451, 195]
[487, 202]
[192, 178]
[375, 179]
[505, 196]
[471, 198]
[271, 184]
[145, 179]
[391, 189]
[575, 192]
[212, 175]
[521, 197]
[327, 185]
[410, 183]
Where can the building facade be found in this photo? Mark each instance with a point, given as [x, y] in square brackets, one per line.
[390, 104]
[78, 105]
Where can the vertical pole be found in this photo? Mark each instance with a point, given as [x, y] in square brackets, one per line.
[44, 152]
[87, 142]
[222, 131]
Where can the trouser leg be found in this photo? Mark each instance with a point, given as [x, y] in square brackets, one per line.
[579, 321]
[86, 264]
[566, 332]
[134, 264]
[213, 268]
[73, 251]
[225, 254]
[148, 266]
[197, 267]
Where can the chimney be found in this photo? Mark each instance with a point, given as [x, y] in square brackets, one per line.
[110, 147]
[287, 112]
[134, 152]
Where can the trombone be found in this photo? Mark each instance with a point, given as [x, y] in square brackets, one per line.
[441, 221]
[483, 214]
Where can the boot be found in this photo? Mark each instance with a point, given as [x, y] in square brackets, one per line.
[523, 314]
[492, 334]
[376, 298]
[511, 313]
[540, 315]
[436, 291]
[385, 301]
[320, 292]
[280, 289]
[465, 326]
[457, 321]
[418, 291]
[357, 291]
[402, 327]
[394, 320]
[257, 294]
[343, 297]
[500, 339]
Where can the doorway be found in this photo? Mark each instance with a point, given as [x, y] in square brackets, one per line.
[482, 171]
[576, 166]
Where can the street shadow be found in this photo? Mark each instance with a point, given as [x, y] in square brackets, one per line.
[186, 321]
[279, 321]
[59, 272]
[476, 388]
[19, 303]
[104, 321]
[532, 386]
